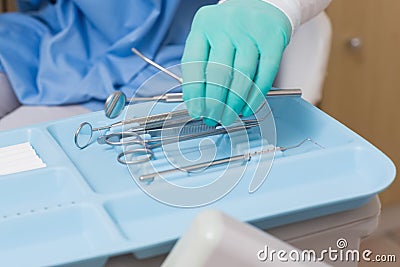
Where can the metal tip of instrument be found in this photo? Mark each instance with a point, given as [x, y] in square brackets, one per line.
[154, 64]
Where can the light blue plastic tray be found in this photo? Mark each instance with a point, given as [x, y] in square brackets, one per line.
[84, 207]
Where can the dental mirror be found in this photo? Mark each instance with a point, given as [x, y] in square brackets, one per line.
[115, 104]
[83, 135]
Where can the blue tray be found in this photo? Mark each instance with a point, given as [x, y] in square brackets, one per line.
[85, 207]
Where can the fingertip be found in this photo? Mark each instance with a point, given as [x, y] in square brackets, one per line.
[210, 122]
[234, 104]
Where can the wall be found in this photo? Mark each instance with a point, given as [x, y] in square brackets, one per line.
[7, 5]
[362, 88]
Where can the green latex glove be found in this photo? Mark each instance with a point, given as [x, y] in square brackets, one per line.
[237, 47]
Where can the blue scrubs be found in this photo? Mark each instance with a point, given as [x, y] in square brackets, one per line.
[78, 51]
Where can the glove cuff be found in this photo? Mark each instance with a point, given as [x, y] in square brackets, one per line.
[297, 11]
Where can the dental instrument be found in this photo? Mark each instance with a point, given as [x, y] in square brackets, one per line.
[84, 133]
[242, 157]
[118, 138]
[177, 127]
[116, 101]
[154, 64]
[145, 152]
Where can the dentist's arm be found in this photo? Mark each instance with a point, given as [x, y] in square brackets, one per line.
[233, 53]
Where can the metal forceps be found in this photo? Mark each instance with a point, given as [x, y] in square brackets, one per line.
[174, 128]
[145, 152]
[84, 134]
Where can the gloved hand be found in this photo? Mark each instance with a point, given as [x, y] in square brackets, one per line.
[237, 47]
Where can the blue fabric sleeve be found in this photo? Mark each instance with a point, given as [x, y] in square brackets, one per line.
[30, 5]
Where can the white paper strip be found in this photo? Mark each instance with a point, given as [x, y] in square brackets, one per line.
[18, 158]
